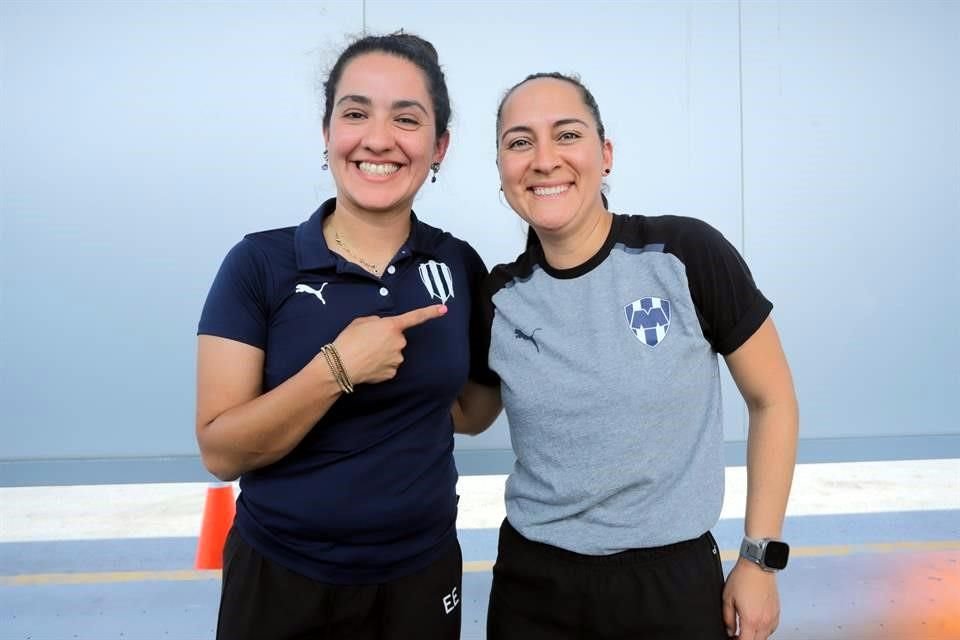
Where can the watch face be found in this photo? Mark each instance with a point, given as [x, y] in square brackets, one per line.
[776, 554]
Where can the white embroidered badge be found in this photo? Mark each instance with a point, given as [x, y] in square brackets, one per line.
[438, 280]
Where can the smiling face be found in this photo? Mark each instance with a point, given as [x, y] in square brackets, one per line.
[381, 138]
[551, 157]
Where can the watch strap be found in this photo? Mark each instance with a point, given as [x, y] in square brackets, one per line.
[751, 549]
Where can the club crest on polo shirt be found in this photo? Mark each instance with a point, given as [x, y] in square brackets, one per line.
[648, 319]
[437, 279]
[305, 288]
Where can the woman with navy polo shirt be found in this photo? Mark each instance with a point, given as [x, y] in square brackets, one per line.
[334, 360]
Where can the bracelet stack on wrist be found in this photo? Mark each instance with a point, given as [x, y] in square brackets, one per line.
[332, 356]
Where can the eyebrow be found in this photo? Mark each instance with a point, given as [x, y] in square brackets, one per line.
[397, 104]
[354, 98]
[405, 104]
[559, 123]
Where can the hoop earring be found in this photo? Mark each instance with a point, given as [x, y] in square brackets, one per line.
[435, 167]
[326, 160]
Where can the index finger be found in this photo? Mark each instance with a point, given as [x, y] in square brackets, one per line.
[418, 316]
[729, 617]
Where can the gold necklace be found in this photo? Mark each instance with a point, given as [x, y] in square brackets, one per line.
[340, 243]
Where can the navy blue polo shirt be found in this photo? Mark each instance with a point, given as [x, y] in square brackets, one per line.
[369, 495]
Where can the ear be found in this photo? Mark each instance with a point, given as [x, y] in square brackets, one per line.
[326, 137]
[607, 155]
[442, 143]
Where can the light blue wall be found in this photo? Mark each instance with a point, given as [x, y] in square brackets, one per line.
[852, 206]
[139, 141]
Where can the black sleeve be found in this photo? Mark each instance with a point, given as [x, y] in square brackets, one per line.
[729, 304]
[481, 316]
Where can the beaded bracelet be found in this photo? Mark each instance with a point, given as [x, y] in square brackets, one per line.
[343, 370]
[332, 356]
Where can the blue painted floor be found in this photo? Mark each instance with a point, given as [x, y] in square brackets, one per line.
[893, 575]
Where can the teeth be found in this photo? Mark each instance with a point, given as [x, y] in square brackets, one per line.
[550, 191]
[378, 169]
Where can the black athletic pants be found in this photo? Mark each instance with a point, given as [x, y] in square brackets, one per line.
[541, 592]
[261, 600]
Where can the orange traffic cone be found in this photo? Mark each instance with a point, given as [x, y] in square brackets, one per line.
[218, 512]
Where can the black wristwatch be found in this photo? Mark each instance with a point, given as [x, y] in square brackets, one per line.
[767, 553]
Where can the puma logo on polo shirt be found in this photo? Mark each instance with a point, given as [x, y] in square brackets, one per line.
[520, 335]
[305, 288]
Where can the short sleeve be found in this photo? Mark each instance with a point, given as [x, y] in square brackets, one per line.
[236, 306]
[479, 324]
[730, 306]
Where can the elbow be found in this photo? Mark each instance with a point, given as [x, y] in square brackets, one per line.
[782, 413]
[214, 460]
[476, 408]
[782, 400]
[478, 424]
[227, 477]
[473, 424]
[471, 429]
[219, 467]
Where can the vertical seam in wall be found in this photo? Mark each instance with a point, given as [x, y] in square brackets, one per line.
[363, 17]
[743, 195]
[744, 415]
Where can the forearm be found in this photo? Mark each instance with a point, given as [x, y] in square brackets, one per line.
[475, 408]
[771, 456]
[266, 428]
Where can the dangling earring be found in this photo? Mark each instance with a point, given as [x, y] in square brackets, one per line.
[606, 172]
[326, 160]
[435, 167]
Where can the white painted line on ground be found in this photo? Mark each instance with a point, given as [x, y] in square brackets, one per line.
[174, 510]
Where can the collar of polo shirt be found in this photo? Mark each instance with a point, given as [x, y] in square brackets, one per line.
[313, 252]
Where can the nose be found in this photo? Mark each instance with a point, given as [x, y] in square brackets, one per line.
[378, 136]
[545, 158]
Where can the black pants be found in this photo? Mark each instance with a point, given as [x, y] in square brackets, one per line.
[261, 600]
[541, 592]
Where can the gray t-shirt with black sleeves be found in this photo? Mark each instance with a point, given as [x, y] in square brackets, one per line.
[610, 380]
